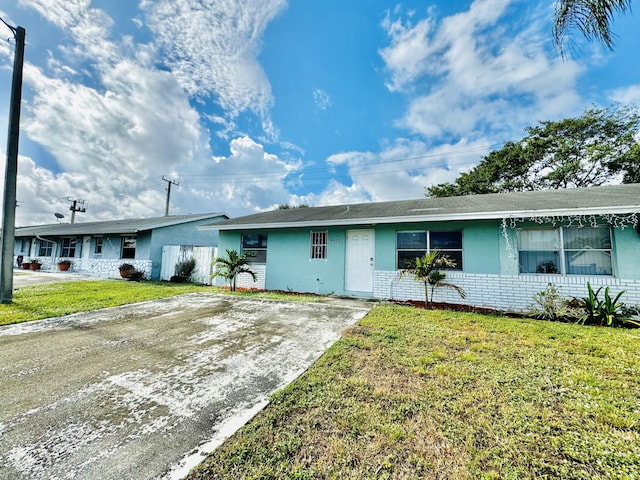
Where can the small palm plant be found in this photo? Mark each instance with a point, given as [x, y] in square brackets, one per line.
[426, 269]
[231, 266]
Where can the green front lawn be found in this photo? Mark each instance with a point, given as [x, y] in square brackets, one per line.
[57, 299]
[412, 393]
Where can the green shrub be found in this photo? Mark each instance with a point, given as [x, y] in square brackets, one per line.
[185, 268]
[550, 305]
[606, 312]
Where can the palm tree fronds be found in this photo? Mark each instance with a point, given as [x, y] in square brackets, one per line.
[592, 18]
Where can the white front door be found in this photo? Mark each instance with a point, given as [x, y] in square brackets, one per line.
[359, 261]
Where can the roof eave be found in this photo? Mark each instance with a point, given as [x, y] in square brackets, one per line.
[561, 212]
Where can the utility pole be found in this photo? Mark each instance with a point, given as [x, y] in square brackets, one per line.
[11, 171]
[74, 208]
[169, 183]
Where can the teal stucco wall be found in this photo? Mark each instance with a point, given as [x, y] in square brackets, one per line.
[289, 266]
[487, 250]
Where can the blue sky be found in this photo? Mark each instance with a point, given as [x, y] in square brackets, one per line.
[249, 104]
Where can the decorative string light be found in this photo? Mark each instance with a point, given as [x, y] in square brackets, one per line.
[615, 220]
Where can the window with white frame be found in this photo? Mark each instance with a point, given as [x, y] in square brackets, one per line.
[45, 249]
[319, 245]
[68, 247]
[413, 244]
[255, 245]
[97, 249]
[129, 245]
[565, 250]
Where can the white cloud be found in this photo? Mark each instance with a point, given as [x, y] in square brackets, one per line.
[89, 27]
[321, 99]
[399, 171]
[248, 179]
[626, 95]
[41, 193]
[140, 121]
[337, 193]
[114, 139]
[482, 78]
[212, 49]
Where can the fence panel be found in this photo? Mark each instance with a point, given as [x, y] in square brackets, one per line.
[172, 254]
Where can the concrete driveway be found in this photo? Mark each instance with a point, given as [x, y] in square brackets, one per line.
[143, 391]
[25, 278]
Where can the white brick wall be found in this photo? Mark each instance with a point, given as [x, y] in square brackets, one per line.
[245, 280]
[501, 292]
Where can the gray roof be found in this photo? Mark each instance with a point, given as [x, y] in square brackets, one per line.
[127, 226]
[586, 201]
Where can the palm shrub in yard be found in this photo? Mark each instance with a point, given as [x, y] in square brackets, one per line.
[231, 266]
[426, 269]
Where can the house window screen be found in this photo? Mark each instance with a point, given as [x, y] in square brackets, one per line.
[129, 245]
[566, 250]
[411, 245]
[587, 251]
[449, 244]
[68, 247]
[319, 245]
[98, 246]
[255, 246]
[539, 251]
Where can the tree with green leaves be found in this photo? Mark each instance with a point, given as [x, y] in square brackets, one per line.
[598, 148]
[592, 18]
[231, 266]
[426, 269]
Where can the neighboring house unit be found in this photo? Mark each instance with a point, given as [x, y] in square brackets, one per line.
[100, 247]
[507, 246]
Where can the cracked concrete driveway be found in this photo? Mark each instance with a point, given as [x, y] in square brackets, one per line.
[142, 391]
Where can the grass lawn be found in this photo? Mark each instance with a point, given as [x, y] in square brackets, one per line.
[412, 393]
[58, 299]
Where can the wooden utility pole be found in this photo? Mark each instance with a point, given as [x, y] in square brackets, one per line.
[169, 183]
[75, 208]
[11, 171]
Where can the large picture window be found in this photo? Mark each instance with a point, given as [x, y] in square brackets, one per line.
[413, 244]
[68, 247]
[319, 245]
[129, 245]
[255, 245]
[565, 250]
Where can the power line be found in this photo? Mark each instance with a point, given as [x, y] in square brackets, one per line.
[276, 177]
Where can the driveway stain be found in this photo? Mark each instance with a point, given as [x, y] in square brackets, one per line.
[143, 391]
